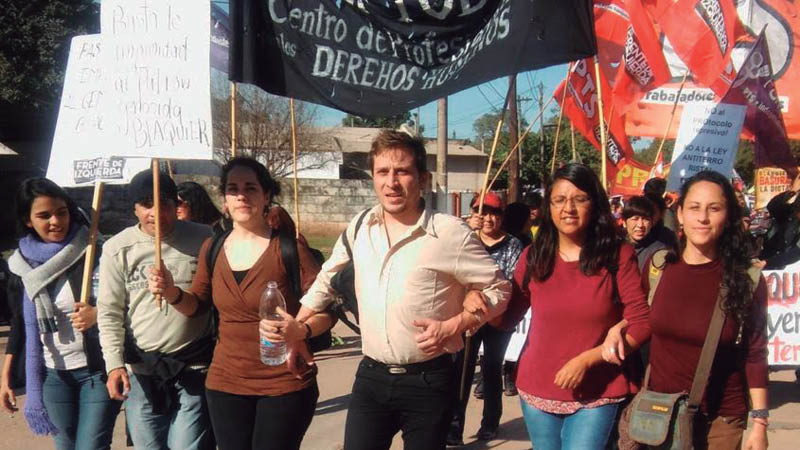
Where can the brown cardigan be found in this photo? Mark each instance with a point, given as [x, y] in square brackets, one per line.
[237, 367]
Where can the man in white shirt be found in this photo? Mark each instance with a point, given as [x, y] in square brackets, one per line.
[413, 269]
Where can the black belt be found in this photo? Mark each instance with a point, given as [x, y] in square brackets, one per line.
[441, 362]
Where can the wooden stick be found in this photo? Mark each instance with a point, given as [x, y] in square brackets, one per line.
[560, 116]
[603, 162]
[233, 119]
[522, 138]
[294, 165]
[169, 169]
[157, 207]
[91, 250]
[572, 137]
[671, 117]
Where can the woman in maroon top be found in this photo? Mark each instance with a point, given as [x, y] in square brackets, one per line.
[569, 395]
[713, 254]
[251, 405]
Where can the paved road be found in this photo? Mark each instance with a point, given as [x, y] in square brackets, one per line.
[337, 368]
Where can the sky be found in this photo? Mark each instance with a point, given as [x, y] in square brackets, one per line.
[466, 106]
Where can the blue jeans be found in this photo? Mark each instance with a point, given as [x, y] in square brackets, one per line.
[184, 426]
[586, 429]
[78, 404]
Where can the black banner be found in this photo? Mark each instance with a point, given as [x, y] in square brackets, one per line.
[370, 59]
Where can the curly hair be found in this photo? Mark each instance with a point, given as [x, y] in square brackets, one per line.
[601, 246]
[730, 245]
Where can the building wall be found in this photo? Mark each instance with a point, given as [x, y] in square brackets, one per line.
[328, 203]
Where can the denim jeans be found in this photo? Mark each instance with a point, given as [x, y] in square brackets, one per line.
[586, 429]
[185, 426]
[78, 404]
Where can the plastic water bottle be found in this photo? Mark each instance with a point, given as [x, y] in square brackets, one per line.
[272, 354]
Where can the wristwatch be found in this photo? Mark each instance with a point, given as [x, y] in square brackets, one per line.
[759, 413]
[308, 330]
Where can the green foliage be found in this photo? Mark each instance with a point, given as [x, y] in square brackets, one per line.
[34, 45]
[391, 122]
[536, 161]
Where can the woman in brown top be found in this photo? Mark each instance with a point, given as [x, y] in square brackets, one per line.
[252, 405]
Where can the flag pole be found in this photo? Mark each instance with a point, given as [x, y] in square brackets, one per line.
[463, 384]
[560, 116]
[157, 211]
[603, 162]
[521, 139]
[91, 250]
[233, 119]
[572, 138]
[669, 123]
[294, 166]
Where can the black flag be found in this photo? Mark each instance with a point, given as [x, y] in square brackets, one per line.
[378, 57]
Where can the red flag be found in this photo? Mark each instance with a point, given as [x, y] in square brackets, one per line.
[644, 67]
[658, 168]
[581, 109]
[755, 87]
[702, 32]
[610, 26]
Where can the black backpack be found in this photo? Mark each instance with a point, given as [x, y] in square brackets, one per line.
[343, 282]
[291, 261]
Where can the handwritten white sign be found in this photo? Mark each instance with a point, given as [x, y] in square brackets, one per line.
[79, 154]
[158, 77]
[708, 139]
[783, 321]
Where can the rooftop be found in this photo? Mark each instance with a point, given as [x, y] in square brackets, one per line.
[359, 140]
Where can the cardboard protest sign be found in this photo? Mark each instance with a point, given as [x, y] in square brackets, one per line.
[157, 78]
[78, 155]
[518, 338]
[783, 310]
[708, 139]
[770, 181]
[375, 57]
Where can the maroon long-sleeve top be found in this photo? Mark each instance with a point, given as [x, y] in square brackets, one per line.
[680, 317]
[571, 313]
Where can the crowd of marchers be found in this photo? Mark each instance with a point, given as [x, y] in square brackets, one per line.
[623, 302]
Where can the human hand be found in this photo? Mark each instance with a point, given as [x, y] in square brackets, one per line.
[160, 283]
[115, 378]
[571, 375]
[474, 303]
[434, 335]
[475, 222]
[8, 399]
[757, 439]
[300, 361]
[288, 329]
[83, 316]
[614, 344]
[796, 183]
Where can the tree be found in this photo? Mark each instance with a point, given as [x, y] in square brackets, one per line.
[263, 131]
[391, 122]
[534, 167]
[34, 46]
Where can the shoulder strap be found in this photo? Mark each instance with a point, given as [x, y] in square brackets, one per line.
[657, 262]
[345, 241]
[707, 354]
[214, 249]
[291, 261]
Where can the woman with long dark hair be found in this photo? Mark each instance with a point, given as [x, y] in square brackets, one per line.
[195, 205]
[54, 349]
[713, 256]
[579, 279]
[252, 405]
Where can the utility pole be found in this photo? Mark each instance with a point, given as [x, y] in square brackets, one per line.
[513, 136]
[520, 113]
[441, 157]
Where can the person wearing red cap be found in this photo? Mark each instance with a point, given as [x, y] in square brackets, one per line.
[505, 250]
